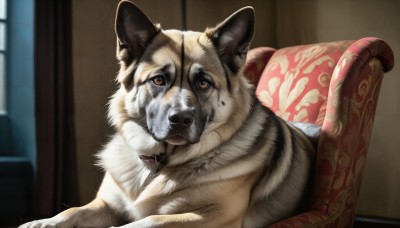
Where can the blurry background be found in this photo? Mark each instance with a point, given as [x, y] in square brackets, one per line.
[279, 23]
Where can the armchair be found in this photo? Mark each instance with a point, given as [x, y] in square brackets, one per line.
[335, 85]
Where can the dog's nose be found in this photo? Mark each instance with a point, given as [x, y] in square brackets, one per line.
[181, 118]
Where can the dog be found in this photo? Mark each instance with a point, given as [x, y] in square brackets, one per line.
[193, 146]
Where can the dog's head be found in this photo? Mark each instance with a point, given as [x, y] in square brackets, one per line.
[179, 84]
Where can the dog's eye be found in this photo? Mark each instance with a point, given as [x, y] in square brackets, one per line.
[158, 80]
[203, 84]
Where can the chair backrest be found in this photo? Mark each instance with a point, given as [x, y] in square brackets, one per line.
[295, 82]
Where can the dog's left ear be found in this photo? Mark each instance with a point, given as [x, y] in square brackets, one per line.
[134, 31]
[233, 36]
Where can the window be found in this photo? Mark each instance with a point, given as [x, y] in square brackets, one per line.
[17, 129]
[17, 109]
[3, 31]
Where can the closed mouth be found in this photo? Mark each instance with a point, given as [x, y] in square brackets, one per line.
[176, 140]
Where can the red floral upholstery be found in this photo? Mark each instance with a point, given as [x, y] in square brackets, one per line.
[335, 85]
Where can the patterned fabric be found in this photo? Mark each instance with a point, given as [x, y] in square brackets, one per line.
[256, 60]
[335, 85]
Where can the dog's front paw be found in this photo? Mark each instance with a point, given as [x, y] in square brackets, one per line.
[46, 223]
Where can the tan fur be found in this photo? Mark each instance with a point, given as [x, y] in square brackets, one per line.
[231, 176]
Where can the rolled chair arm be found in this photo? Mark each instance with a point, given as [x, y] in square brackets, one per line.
[257, 59]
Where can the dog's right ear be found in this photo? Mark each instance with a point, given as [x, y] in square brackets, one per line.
[134, 31]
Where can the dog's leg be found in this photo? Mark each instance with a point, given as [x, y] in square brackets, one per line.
[185, 220]
[94, 214]
[175, 220]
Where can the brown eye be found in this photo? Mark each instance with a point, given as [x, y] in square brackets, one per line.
[203, 84]
[158, 80]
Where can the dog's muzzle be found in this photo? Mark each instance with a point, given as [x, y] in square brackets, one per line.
[177, 126]
[180, 124]
[181, 119]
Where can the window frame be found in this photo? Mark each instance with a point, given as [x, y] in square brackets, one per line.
[3, 75]
[5, 130]
[17, 125]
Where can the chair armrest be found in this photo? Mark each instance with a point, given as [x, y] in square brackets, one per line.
[306, 219]
[352, 100]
